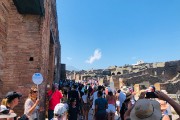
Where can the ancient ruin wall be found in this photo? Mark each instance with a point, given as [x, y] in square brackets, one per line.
[140, 79]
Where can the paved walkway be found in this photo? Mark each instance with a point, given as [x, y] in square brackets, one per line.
[90, 115]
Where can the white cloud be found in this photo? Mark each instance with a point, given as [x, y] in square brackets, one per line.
[69, 58]
[96, 56]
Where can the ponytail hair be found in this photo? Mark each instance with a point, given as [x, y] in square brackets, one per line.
[4, 101]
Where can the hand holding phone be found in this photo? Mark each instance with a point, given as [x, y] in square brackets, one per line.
[151, 95]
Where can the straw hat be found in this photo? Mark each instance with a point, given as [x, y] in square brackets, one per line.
[146, 109]
[4, 112]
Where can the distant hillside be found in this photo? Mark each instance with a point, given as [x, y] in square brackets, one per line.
[71, 68]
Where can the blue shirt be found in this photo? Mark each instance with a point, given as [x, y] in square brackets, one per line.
[122, 98]
[101, 102]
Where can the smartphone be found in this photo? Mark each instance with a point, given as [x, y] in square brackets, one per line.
[151, 95]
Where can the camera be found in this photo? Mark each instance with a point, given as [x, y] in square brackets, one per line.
[151, 95]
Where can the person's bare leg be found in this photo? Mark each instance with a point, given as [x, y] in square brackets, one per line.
[118, 111]
[112, 116]
[86, 115]
[83, 113]
[109, 116]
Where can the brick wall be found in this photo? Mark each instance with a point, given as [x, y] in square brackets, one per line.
[4, 14]
[26, 48]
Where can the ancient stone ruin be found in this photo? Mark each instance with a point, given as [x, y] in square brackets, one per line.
[164, 75]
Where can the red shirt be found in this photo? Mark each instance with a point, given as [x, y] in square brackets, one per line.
[55, 99]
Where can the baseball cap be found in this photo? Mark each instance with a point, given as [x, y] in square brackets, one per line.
[13, 94]
[59, 109]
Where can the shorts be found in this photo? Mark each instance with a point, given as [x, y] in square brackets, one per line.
[86, 106]
[117, 103]
[111, 108]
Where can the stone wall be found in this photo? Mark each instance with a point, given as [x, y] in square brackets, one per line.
[132, 74]
[28, 44]
[171, 88]
[140, 79]
[116, 82]
[146, 74]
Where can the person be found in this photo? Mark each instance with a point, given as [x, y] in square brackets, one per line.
[73, 93]
[152, 88]
[65, 99]
[122, 98]
[111, 99]
[146, 109]
[125, 104]
[80, 101]
[95, 95]
[85, 104]
[4, 113]
[164, 106]
[31, 104]
[143, 109]
[11, 100]
[54, 97]
[164, 97]
[73, 110]
[118, 102]
[101, 105]
[60, 111]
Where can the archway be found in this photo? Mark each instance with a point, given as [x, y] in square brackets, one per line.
[118, 73]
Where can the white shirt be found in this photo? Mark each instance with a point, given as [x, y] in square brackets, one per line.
[84, 97]
[94, 97]
[28, 104]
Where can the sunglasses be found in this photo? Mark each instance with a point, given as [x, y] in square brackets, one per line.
[35, 91]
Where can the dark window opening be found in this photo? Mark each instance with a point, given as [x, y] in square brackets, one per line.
[118, 73]
[31, 59]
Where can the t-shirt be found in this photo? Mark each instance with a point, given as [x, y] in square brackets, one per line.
[28, 104]
[55, 99]
[73, 111]
[101, 102]
[94, 96]
[85, 97]
[74, 94]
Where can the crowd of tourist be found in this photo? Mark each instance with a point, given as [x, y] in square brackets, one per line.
[72, 101]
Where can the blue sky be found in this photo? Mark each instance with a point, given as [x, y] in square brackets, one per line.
[102, 33]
